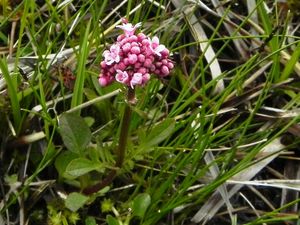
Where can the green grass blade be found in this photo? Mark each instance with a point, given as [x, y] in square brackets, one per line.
[80, 78]
[12, 93]
[289, 67]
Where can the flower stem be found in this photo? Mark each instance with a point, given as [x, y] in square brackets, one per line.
[121, 151]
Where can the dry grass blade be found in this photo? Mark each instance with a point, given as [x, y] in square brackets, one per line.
[251, 5]
[239, 43]
[26, 64]
[282, 184]
[252, 78]
[291, 171]
[215, 202]
[214, 171]
[201, 37]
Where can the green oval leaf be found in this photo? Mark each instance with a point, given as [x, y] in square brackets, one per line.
[111, 220]
[75, 132]
[90, 221]
[140, 204]
[81, 166]
[62, 161]
[75, 201]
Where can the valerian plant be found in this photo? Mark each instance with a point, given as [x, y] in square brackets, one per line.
[130, 61]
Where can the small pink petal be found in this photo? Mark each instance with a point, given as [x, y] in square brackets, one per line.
[155, 40]
[121, 76]
[128, 28]
[136, 79]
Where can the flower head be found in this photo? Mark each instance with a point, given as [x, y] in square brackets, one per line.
[133, 58]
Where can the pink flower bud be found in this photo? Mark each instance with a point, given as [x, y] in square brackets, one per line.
[164, 61]
[103, 81]
[152, 68]
[126, 47]
[135, 50]
[133, 38]
[132, 58]
[121, 37]
[126, 61]
[158, 64]
[148, 51]
[111, 70]
[146, 42]
[146, 78]
[147, 63]
[124, 20]
[142, 70]
[151, 57]
[165, 70]
[137, 65]
[170, 65]
[103, 65]
[165, 52]
[141, 37]
[157, 72]
[155, 42]
[125, 40]
[141, 58]
[121, 66]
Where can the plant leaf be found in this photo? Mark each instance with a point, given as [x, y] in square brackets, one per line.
[74, 132]
[11, 83]
[75, 201]
[159, 133]
[90, 221]
[140, 204]
[62, 162]
[111, 220]
[81, 70]
[81, 166]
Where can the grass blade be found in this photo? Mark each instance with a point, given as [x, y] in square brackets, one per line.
[12, 92]
[79, 84]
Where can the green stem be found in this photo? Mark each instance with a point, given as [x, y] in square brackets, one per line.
[121, 147]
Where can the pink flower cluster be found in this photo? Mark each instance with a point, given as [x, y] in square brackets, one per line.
[133, 58]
